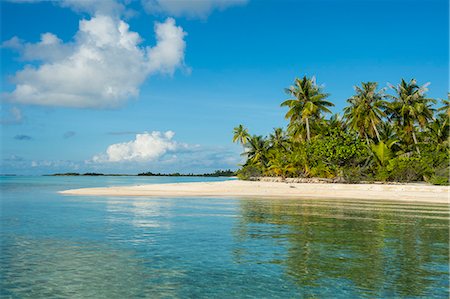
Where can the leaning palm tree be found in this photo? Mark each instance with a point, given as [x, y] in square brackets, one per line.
[308, 102]
[410, 108]
[365, 111]
[241, 135]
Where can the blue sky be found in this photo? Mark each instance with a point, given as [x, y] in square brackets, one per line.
[75, 99]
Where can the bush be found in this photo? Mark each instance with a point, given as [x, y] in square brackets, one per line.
[339, 149]
[356, 174]
[249, 171]
[439, 180]
[382, 174]
[408, 169]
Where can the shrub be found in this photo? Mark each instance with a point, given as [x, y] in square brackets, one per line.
[439, 180]
[249, 171]
[408, 169]
[356, 174]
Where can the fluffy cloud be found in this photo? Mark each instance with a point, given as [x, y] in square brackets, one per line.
[158, 152]
[144, 148]
[148, 153]
[191, 9]
[103, 67]
[90, 6]
[188, 8]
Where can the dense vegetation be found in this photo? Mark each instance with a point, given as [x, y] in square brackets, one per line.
[388, 134]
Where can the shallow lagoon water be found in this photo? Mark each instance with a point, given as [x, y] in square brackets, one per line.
[139, 247]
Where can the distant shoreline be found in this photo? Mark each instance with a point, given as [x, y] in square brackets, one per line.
[259, 189]
[217, 173]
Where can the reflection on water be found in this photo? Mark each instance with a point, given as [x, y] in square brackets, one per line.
[366, 248]
[99, 247]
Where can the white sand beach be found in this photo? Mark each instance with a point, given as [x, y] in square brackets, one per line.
[236, 188]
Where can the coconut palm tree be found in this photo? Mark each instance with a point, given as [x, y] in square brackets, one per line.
[279, 165]
[278, 138]
[366, 110]
[308, 102]
[336, 121]
[445, 106]
[256, 150]
[296, 130]
[438, 131]
[410, 107]
[241, 135]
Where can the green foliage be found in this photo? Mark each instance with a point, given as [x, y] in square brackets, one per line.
[306, 105]
[240, 134]
[384, 137]
[365, 110]
[249, 171]
[439, 180]
[356, 174]
[408, 169]
[279, 164]
[338, 148]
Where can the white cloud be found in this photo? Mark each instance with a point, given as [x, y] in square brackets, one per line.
[157, 154]
[191, 9]
[109, 7]
[165, 56]
[188, 8]
[103, 67]
[144, 148]
[50, 48]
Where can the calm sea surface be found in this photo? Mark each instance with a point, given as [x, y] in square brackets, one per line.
[55, 246]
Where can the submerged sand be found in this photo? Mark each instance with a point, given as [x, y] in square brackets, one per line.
[236, 188]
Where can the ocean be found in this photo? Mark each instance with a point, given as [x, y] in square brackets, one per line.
[60, 246]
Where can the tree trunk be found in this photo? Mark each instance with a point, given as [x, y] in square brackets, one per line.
[367, 139]
[376, 131]
[415, 142]
[308, 136]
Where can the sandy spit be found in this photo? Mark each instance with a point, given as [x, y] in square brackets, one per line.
[236, 188]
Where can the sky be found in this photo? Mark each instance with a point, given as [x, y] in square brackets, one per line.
[126, 86]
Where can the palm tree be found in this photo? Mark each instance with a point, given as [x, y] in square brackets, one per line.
[365, 111]
[278, 138]
[336, 121]
[279, 165]
[256, 150]
[241, 135]
[438, 131]
[296, 130]
[307, 103]
[410, 107]
[446, 106]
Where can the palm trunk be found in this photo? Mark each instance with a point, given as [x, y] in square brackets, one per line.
[376, 131]
[415, 142]
[308, 136]
[367, 139]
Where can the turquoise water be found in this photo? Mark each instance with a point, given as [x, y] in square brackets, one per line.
[55, 246]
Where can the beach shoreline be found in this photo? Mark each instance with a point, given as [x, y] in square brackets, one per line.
[260, 189]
